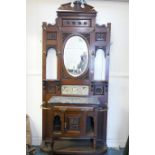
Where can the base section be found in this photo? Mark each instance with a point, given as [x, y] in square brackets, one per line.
[76, 147]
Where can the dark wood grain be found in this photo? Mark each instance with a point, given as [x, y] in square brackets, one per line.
[61, 121]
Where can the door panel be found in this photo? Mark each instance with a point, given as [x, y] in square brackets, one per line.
[73, 123]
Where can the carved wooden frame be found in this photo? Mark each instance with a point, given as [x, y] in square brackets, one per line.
[76, 21]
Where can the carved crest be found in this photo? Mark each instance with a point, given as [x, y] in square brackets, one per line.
[77, 7]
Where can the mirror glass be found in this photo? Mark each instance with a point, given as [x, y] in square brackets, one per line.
[76, 56]
[99, 65]
[51, 64]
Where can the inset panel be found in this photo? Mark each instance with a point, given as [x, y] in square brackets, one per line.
[51, 36]
[73, 123]
[74, 90]
[76, 22]
[101, 36]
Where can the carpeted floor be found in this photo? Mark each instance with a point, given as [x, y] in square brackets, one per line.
[109, 152]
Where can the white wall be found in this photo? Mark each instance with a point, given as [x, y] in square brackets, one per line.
[114, 12]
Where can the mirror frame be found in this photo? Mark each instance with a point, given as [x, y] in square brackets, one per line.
[88, 64]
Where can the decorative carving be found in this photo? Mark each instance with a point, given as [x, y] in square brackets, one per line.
[82, 90]
[77, 7]
[76, 22]
[44, 26]
[99, 88]
[51, 36]
[65, 35]
[87, 36]
[73, 123]
[101, 36]
[51, 86]
[52, 25]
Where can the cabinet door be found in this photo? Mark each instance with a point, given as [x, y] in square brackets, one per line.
[73, 123]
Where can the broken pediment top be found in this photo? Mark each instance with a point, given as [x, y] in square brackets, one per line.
[77, 7]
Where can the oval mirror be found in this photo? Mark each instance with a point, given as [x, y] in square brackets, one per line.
[76, 56]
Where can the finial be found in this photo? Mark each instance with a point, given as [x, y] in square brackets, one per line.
[80, 1]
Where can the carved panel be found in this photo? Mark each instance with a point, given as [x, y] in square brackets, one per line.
[99, 88]
[76, 22]
[101, 36]
[77, 7]
[51, 36]
[73, 123]
[75, 90]
[51, 87]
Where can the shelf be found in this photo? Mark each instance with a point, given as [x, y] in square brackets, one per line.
[77, 147]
